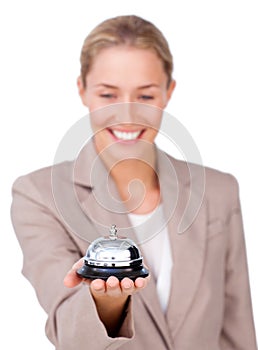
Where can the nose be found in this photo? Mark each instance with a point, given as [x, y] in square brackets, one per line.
[126, 97]
[125, 112]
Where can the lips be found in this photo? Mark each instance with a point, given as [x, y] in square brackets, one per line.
[126, 135]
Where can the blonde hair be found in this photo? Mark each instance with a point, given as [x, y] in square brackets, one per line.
[125, 30]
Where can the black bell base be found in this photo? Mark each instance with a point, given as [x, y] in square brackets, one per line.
[91, 272]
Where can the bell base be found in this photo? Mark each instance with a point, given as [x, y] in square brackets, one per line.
[91, 272]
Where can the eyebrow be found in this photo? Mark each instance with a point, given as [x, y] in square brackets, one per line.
[116, 87]
[106, 86]
[148, 86]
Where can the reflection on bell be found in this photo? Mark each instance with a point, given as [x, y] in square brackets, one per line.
[113, 256]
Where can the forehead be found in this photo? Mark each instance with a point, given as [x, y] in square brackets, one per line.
[127, 64]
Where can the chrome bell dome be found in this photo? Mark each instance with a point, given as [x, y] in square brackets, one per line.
[113, 256]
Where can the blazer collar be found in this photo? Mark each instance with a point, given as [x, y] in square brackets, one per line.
[83, 164]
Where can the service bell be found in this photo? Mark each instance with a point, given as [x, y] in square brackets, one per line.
[113, 256]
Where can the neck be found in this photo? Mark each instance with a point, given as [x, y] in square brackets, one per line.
[138, 185]
[134, 175]
[130, 170]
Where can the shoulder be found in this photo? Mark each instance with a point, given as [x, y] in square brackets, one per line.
[218, 186]
[39, 182]
[37, 177]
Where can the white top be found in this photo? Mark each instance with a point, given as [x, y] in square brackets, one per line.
[158, 254]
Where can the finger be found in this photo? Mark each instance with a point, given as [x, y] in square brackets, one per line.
[98, 287]
[127, 286]
[72, 279]
[113, 287]
[140, 282]
[78, 264]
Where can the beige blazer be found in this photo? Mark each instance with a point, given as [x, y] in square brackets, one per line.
[210, 305]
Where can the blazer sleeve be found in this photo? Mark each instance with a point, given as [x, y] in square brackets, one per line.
[238, 330]
[49, 252]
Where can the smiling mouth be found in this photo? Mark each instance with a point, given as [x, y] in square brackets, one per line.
[126, 135]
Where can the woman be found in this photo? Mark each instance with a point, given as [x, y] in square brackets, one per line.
[198, 294]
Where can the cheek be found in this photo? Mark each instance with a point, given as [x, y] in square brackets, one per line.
[151, 134]
[102, 118]
[152, 117]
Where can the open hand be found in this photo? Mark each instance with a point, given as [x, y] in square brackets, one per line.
[110, 288]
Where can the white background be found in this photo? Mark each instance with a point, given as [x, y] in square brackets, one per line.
[214, 44]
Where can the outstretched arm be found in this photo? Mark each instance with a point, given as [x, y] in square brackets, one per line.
[79, 315]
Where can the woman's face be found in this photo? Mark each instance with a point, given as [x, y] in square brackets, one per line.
[119, 76]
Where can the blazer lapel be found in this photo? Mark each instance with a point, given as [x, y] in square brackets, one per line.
[188, 248]
[150, 299]
[101, 203]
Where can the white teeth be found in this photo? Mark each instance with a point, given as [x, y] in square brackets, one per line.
[126, 136]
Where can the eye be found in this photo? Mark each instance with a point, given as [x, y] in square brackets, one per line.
[146, 97]
[107, 95]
